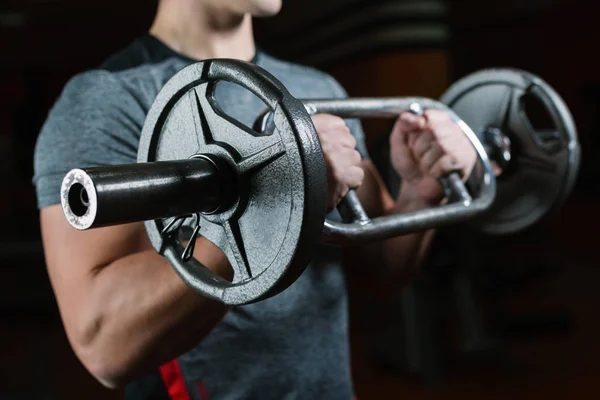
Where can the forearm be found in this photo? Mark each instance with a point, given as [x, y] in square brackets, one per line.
[139, 313]
[402, 256]
[396, 260]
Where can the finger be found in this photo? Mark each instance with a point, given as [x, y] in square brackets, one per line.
[430, 157]
[337, 140]
[349, 158]
[332, 124]
[437, 116]
[343, 137]
[337, 196]
[399, 135]
[339, 125]
[423, 143]
[417, 121]
[409, 122]
[402, 159]
[329, 120]
[412, 138]
[347, 138]
[355, 176]
[444, 165]
[337, 122]
[356, 157]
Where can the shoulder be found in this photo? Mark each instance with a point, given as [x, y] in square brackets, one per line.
[90, 89]
[93, 108]
[93, 100]
[129, 91]
[302, 81]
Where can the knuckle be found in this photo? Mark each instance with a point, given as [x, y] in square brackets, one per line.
[334, 147]
[346, 152]
[346, 136]
[324, 136]
[437, 115]
[360, 174]
[351, 139]
[341, 177]
[327, 148]
[338, 122]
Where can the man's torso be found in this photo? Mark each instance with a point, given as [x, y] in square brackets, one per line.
[291, 346]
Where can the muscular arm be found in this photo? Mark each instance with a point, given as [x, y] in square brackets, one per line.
[394, 261]
[124, 308]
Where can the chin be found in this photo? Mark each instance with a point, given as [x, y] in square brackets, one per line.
[264, 8]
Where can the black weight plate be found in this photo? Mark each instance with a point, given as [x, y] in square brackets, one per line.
[271, 230]
[544, 163]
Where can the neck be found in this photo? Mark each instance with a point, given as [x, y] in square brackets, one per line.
[200, 32]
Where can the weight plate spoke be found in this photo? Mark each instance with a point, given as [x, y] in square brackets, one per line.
[261, 159]
[538, 163]
[227, 131]
[180, 136]
[202, 129]
[240, 263]
[506, 107]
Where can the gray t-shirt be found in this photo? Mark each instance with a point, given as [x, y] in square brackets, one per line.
[291, 346]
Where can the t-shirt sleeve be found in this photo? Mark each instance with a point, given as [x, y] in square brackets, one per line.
[95, 122]
[354, 125]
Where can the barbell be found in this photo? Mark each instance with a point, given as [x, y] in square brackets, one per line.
[261, 196]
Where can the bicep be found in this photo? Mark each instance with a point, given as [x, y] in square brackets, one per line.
[73, 257]
[373, 194]
[92, 248]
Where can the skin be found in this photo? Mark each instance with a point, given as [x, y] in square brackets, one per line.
[125, 310]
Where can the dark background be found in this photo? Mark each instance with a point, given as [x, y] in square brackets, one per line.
[535, 291]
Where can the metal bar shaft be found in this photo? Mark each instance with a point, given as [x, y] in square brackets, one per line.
[401, 224]
[385, 107]
[115, 195]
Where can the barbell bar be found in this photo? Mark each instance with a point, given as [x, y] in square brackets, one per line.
[260, 198]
